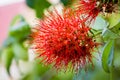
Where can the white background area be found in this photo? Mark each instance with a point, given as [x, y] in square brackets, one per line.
[7, 2]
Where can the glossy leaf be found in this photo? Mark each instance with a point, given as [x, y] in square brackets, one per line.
[40, 5]
[30, 3]
[7, 56]
[113, 19]
[116, 29]
[100, 23]
[107, 55]
[66, 2]
[20, 51]
[19, 29]
[108, 34]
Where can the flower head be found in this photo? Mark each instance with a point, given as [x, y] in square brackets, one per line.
[63, 39]
[88, 8]
[93, 7]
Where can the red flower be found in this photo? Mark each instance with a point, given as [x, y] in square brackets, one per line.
[63, 40]
[88, 9]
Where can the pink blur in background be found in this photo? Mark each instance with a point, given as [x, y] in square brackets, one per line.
[7, 12]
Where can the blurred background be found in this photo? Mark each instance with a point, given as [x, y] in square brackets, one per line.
[17, 61]
[9, 9]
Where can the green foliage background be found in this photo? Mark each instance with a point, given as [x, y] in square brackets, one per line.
[15, 48]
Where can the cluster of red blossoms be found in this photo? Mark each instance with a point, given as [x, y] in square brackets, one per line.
[65, 39]
[91, 8]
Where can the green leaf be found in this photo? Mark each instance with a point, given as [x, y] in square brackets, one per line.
[55, 78]
[113, 19]
[16, 19]
[31, 77]
[7, 56]
[30, 3]
[116, 29]
[19, 29]
[39, 68]
[66, 2]
[8, 42]
[107, 55]
[40, 5]
[100, 23]
[20, 51]
[108, 34]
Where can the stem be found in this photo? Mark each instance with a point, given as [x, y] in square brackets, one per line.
[95, 32]
[98, 33]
